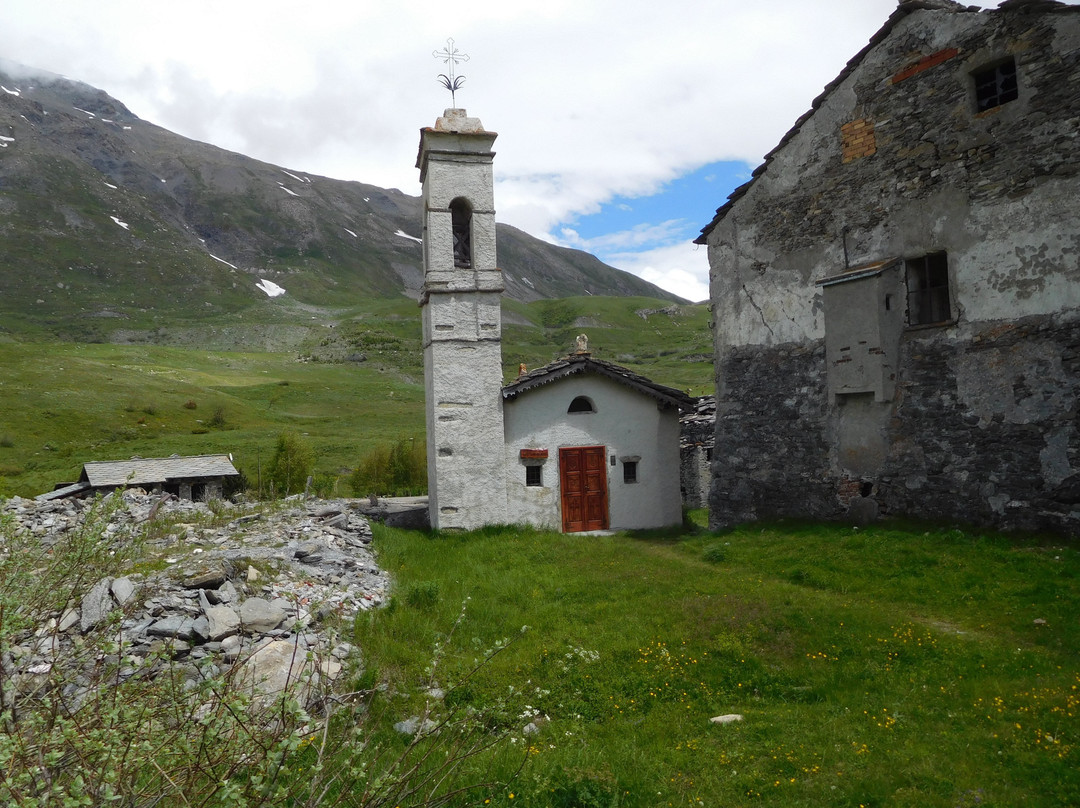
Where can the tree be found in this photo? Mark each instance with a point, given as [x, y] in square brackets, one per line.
[397, 470]
[291, 465]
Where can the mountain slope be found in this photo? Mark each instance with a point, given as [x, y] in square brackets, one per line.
[107, 221]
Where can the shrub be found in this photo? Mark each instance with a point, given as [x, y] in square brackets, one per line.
[715, 554]
[423, 595]
[398, 470]
[558, 313]
[291, 465]
[6, 441]
[584, 790]
[190, 404]
[217, 420]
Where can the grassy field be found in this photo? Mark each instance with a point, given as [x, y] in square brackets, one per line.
[872, 667]
[355, 381]
[66, 404]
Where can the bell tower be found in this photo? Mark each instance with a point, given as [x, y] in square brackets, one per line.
[461, 316]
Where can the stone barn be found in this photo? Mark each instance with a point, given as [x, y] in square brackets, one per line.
[896, 292]
[196, 477]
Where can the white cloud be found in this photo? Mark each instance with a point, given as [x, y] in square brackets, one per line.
[680, 268]
[592, 100]
[644, 235]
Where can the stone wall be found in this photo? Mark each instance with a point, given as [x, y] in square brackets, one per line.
[895, 161]
[987, 432]
[981, 433]
[697, 435]
[771, 455]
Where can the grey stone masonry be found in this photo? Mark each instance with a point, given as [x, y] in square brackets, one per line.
[955, 451]
[462, 325]
[896, 293]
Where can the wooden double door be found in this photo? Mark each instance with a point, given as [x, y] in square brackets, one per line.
[583, 482]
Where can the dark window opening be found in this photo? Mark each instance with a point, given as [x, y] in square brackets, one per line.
[866, 489]
[995, 86]
[629, 471]
[461, 222]
[534, 476]
[708, 455]
[928, 289]
[581, 404]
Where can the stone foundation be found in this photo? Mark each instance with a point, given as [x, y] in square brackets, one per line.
[981, 432]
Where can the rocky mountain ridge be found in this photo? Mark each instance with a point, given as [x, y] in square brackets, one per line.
[108, 221]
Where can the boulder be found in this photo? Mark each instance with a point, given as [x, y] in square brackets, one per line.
[96, 604]
[258, 615]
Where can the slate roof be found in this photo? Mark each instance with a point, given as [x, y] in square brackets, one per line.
[143, 471]
[584, 363]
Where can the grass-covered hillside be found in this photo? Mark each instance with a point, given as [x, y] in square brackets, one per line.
[352, 380]
[883, 666]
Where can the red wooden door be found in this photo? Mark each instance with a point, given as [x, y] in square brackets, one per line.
[583, 482]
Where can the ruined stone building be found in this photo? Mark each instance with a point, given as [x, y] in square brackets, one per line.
[896, 292]
[579, 444]
[198, 477]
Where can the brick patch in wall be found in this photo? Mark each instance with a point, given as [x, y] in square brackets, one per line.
[933, 60]
[848, 490]
[857, 139]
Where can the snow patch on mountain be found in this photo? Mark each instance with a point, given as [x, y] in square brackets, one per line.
[222, 260]
[271, 288]
[403, 234]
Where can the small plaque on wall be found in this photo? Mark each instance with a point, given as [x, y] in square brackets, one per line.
[534, 454]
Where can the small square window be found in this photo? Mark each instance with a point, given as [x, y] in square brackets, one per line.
[928, 289]
[534, 476]
[995, 86]
[629, 471]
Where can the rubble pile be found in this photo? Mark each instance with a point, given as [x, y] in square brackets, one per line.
[247, 589]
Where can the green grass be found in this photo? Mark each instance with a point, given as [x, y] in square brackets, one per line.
[876, 667]
[65, 403]
[62, 405]
[671, 348]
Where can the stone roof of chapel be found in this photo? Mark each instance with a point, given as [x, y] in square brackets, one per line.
[582, 363]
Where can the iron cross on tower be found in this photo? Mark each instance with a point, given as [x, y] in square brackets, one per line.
[451, 56]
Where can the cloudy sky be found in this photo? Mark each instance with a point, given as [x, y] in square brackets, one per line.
[623, 124]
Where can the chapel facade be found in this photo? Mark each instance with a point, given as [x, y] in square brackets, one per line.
[580, 444]
[896, 292]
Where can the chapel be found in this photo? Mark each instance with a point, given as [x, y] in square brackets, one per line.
[580, 444]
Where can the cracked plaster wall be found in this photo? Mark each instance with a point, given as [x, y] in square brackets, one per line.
[982, 423]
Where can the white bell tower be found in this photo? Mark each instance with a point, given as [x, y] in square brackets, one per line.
[462, 325]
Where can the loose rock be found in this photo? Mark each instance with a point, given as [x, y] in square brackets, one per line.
[275, 574]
